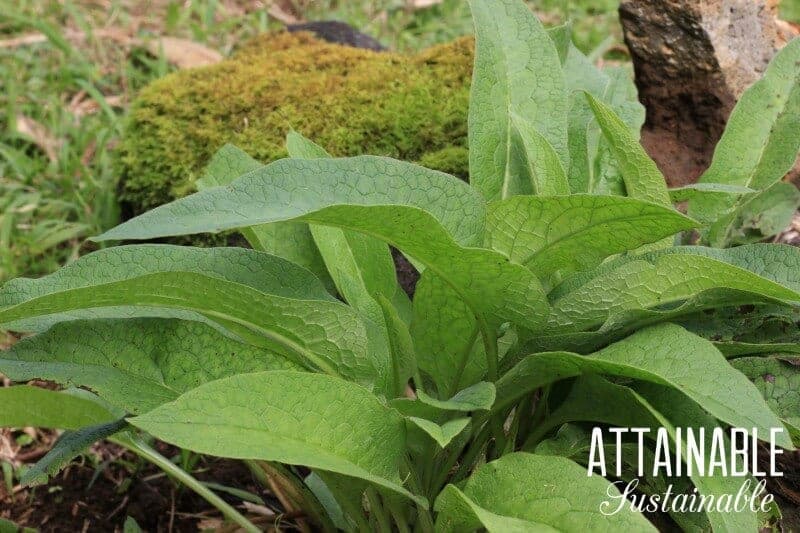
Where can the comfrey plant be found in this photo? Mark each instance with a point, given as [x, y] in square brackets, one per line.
[552, 301]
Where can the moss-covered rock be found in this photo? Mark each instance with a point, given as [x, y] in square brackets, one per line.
[351, 101]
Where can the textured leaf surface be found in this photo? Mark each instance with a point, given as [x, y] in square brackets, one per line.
[443, 434]
[361, 266]
[25, 406]
[540, 490]
[571, 233]
[290, 240]
[642, 178]
[747, 274]
[762, 137]
[67, 447]
[478, 397]
[424, 213]
[517, 71]
[135, 364]
[322, 333]
[305, 419]
[778, 379]
[665, 354]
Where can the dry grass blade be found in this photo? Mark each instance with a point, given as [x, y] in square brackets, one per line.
[39, 135]
[184, 53]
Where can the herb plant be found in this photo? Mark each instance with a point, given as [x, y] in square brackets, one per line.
[552, 298]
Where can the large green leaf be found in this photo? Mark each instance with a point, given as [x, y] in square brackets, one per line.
[570, 233]
[264, 272]
[25, 406]
[665, 354]
[296, 418]
[596, 400]
[429, 215]
[527, 492]
[762, 137]
[620, 290]
[290, 240]
[518, 105]
[642, 178]
[136, 364]
[171, 281]
[361, 266]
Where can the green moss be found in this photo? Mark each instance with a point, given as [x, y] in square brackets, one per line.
[350, 101]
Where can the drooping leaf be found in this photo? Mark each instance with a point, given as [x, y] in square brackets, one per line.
[619, 291]
[517, 72]
[290, 240]
[296, 418]
[67, 447]
[426, 214]
[778, 380]
[642, 178]
[762, 137]
[527, 492]
[136, 364]
[261, 271]
[27, 406]
[319, 333]
[665, 354]
[572, 233]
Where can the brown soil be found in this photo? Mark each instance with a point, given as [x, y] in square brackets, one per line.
[83, 498]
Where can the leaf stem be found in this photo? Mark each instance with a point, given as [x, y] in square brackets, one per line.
[140, 448]
[377, 511]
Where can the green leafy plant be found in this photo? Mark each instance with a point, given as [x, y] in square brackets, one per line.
[552, 298]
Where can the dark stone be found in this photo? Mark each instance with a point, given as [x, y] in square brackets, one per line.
[337, 32]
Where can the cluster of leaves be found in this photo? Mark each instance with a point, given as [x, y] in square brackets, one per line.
[552, 298]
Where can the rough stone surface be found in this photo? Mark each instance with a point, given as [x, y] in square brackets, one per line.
[693, 59]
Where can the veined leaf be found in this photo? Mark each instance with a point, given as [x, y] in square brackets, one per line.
[136, 364]
[478, 397]
[618, 290]
[665, 354]
[778, 380]
[443, 434]
[361, 266]
[431, 217]
[698, 190]
[267, 273]
[67, 447]
[401, 348]
[762, 137]
[642, 178]
[324, 335]
[594, 399]
[289, 240]
[538, 159]
[446, 336]
[556, 493]
[25, 406]
[295, 418]
[517, 72]
[672, 410]
[570, 233]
